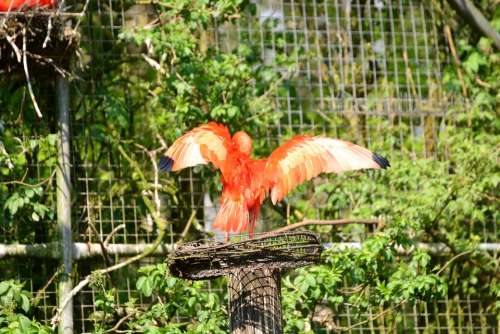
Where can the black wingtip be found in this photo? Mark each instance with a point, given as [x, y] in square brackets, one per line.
[381, 161]
[166, 164]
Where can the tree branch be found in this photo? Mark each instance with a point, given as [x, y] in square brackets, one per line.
[27, 74]
[308, 222]
[35, 185]
[120, 322]
[474, 18]
[187, 227]
[450, 261]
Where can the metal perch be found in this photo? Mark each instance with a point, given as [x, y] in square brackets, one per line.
[253, 267]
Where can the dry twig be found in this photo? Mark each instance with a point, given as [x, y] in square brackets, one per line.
[27, 74]
[187, 227]
[112, 233]
[458, 66]
[10, 39]
[36, 185]
[39, 293]
[104, 250]
[308, 222]
[450, 261]
[119, 323]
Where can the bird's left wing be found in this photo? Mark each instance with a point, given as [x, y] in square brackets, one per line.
[206, 143]
[304, 157]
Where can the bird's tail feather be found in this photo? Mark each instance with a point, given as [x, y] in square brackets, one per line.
[233, 216]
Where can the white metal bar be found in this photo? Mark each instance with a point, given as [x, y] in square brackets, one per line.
[80, 250]
[83, 250]
[63, 181]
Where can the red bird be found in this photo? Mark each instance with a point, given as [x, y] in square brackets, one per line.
[12, 5]
[246, 182]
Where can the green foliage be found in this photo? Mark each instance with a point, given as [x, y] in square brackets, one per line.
[429, 201]
[377, 275]
[181, 298]
[202, 311]
[192, 82]
[450, 200]
[23, 195]
[479, 69]
[14, 307]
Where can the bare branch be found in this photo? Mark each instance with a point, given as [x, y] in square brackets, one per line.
[188, 226]
[474, 18]
[112, 233]
[308, 222]
[36, 185]
[104, 250]
[450, 261]
[120, 322]
[55, 319]
[39, 293]
[376, 316]
[449, 37]
[81, 15]
[27, 74]
[14, 47]
[49, 30]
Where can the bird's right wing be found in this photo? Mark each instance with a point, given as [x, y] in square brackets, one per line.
[304, 157]
[206, 143]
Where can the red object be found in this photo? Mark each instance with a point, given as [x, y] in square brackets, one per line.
[247, 182]
[14, 5]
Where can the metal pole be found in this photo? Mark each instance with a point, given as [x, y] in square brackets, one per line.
[255, 301]
[64, 204]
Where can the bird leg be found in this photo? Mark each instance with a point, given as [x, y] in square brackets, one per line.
[254, 215]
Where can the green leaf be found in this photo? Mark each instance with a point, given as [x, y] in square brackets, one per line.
[4, 287]
[310, 280]
[25, 303]
[52, 139]
[171, 281]
[474, 61]
[145, 285]
[192, 301]
[29, 193]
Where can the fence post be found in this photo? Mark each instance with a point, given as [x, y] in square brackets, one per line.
[63, 181]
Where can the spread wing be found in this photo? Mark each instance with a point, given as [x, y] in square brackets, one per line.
[207, 143]
[304, 157]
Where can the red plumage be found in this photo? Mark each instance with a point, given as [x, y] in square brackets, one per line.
[13, 5]
[246, 182]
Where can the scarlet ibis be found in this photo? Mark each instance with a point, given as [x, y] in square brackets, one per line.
[12, 5]
[246, 182]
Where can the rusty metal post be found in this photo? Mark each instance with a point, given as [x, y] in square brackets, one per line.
[255, 301]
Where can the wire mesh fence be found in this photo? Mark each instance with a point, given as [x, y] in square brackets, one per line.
[446, 316]
[357, 67]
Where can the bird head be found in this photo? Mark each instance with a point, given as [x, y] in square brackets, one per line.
[243, 142]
